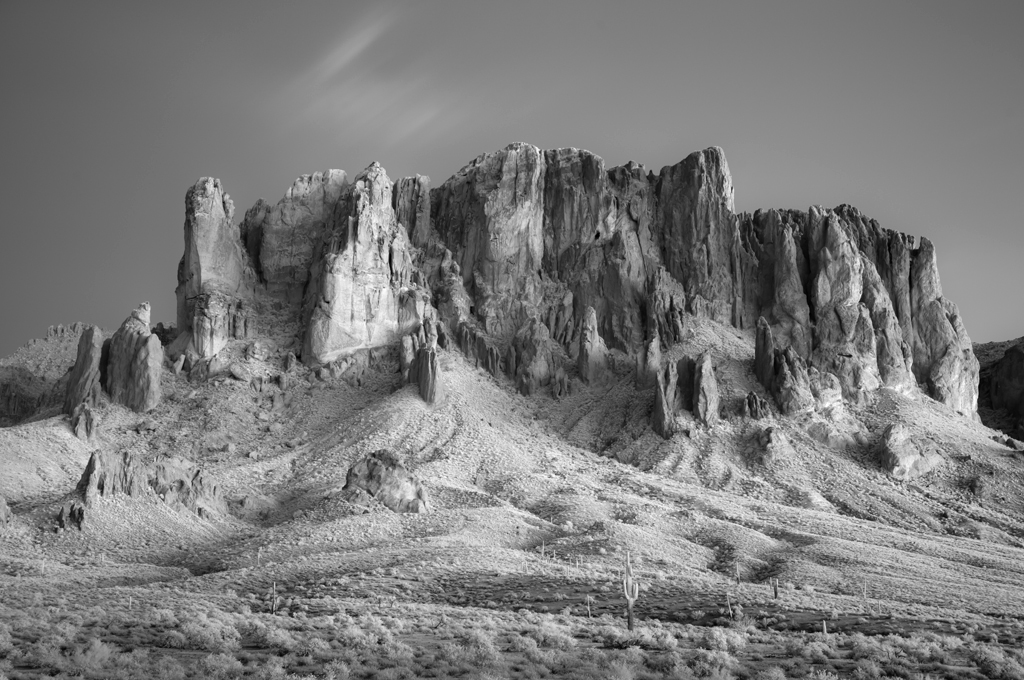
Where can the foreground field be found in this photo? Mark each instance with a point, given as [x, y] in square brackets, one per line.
[517, 570]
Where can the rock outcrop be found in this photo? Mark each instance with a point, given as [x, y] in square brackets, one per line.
[905, 456]
[382, 476]
[1006, 386]
[593, 356]
[174, 481]
[705, 391]
[361, 293]
[83, 421]
[5, 513]
[665, 401]
[429, 376]
[215, 277]
[134, 363]
[531, 364]
[85, 382]
[602, 259]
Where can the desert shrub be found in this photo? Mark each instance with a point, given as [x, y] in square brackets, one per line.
[867, 669]
[723, 639]
[313, 645]
[336, 670]
[173, 639]
[218, 666]
[210, 635]
[819, 674]
[549, 634]
[278, 638]
[992, 661]
[713, 664]
[6, 641]
[667, 662]
[817, 651]
[770, 673]
[93, 656]
[522, 643]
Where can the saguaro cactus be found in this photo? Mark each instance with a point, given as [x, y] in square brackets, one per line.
[631, 589]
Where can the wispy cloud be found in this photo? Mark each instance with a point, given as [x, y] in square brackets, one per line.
[345, 89]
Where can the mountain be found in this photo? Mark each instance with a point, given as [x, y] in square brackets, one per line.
[410, 431]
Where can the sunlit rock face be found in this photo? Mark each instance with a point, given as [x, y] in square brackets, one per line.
[601, 258]
[360, 292]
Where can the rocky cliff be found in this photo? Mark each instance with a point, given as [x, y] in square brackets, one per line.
[602, 260]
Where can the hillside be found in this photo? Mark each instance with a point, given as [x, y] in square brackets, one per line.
[693, 391]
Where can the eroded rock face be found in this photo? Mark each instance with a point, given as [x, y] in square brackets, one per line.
[429, 376]
[5, 513]
[85, 381]
[135, 362]
[361, 293]
[593, 357]
[944, 360]
[531, 364]
[705, 391]
[906, 456]
[1007, 381]
[83, 421]
[665, 401]
[612, 255]
[382, 476]
[175, 481]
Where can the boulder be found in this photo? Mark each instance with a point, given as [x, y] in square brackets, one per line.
[593, 356]
[382, 476]
[906, 455]
[705, 391]
[85, 381]
[135, 363]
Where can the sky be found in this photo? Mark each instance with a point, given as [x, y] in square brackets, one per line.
[911, 111]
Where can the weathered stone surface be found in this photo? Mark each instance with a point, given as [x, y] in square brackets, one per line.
[560, 386]
[764, 354]
[175, 481]
[666, 305]
[382, 476]
[791, 384]
[756, 407]
[361, 293]
[83, 421]
[282, 240]
[705, 391]
[530, 363]
[593, 356]
[213, 261]
[944, 361]
[665, 401]
[429, 376]
[85, 382]
[5, 513]
[907, 456]
[686, 369]
[1007, 381]
[411, 200]
[649, 363]
[135, 363]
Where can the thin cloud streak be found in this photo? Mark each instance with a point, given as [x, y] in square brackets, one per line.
[344, 91]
